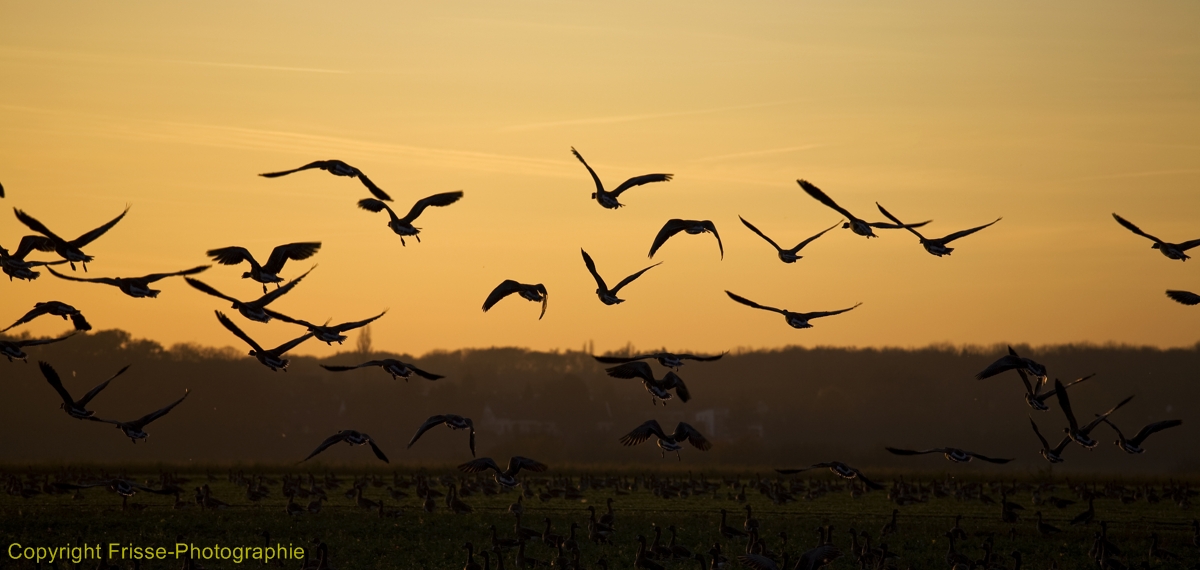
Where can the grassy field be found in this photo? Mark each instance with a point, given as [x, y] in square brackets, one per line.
[409, 537]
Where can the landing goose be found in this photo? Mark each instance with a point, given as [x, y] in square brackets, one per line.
[667, 359]
[327, 333]
[336, 168]
[403, 226]
[69, 250]
[856, 225]
[536, 292]
[13, 348]
[268, 273]
[136, 287]
[952, 453]
[1184, 297]
[1170, 250]
[452, 421]
[1036, 398]
[609, 199]
[506, 477]
[58, 309]
[1013, 361]
[659, 389]
[1134, 444]
[939, 246]
[606, 295]
[75, 408]
[136, 429]
[1080, 434]
[273, 358]
[794, 320]
[667, 442]
[1052, 454]
[14, 264]
[255, 310]
[838, 468]
[392, 366]
[692, 227]
[786, 255]
[351, 437]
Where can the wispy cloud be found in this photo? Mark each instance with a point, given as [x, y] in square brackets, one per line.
[642, 117]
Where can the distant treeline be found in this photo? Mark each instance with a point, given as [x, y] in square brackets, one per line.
[761, 408]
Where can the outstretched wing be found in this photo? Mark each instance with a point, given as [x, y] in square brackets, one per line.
[869, 483]
[596, 179]
[295, 251]
[30, 243]
[281, 291]
[55, 382]
[104, 280]
[673, 381]
[283, 348]
[429, 424]
[33, 224]
[632, 370]
[91, 236]
[1065, 403]
[1184, 297]
[232, 255]
[1003, 364]
[373, 205]
[477, 465]
[315, 164]
[375, 190]
[898, 222]
[94, 391]
[206, 288]
[238, 332]
[896, 451]
[965, 233]
[438, 200]
[1038, 432]
[643, 432]
[639, 180]
[1129, 226]
[800, 470]
[760, 234]
[708, 225]
[36, 342]
[988, 459]
[375, 448]
[37, 311]
[591, 265]
[801, 245]
[518, 463]
[1054, 391]
[621, 359]
[339, 368]
[356, 324]
[157, 276]
[340, 436]
[699, 358]
[749, 303]
[823, 198]
[820, 314]
[672, 227]
[1152, 429]
[757, 562]
[80, 322]
[818, 557]
[1099, 418]
[287, 319]
[692, 435]
[1187, 245]
[424, 374]
[504, 289]
[146, 419]
[630, 279]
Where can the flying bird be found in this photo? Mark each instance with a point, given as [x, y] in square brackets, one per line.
[1036, 398]
[507, 287]
[1052, 454]
[952, 453]
[273, 358]
[1171, 250]
[507, 477]
[856, 225]
[336, 168]
[451, 421]
[794, 320]
[16, 266]
[1134, 444]
[351, 437]
[937, 246]
[58, 309]
[667, 359]
[1080, 434]
[838, 468]
[403, 226]
[693, 227]
[659, 389]
[136, 287]
[76, 408]
[1013, 361]
[136, 429]
[13, 348]
[390, 365]
[1184, 297]
[268, 273]
[786, 255]
[609, 199]
[606, 295]
[667, 442]
[69, 250]
[327, 333]
[254, 310]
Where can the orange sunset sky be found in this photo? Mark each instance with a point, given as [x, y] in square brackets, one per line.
[1052, 115]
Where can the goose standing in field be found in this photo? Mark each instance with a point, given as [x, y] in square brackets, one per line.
[838, 468]
[1013, 361]
[856, 225]
[336, 168]
[683, 432]
[1184, 297]
[787, 255]
[606, 295]
[273, 358]
[667, 359]
[69, 250]
[1052, 454]
[390, 365]
[14, 348]
[76, 408]
[136, 287]
[508, 476]
[1134, 444]
[255, 310]
[58, 309]
[794, 320]
[692, 227]
[136, 429]
[609, 199]
[1078, 434]
[452, 421]
[351, 437]
[268, 273]
[403, 226]
[659, 389]
[327, 333]
[1036, 398]
[939, 246]
[536, 292]
[952, 453]
[14, 264]
[1170, 250]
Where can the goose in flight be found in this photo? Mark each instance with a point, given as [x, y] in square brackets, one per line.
[507, 477]
[268, 273]
[667, 442]
[76, 408]
[390, 365]
[14, 348]
[351, 437]
[507, 287]
[136, 287]
[273, 358]
[1134, 444]
[813, 559]
[693, 227]
[136, 429]
[327, 333]
[1052, 454]
[14, 264]
[838, 468]
[69, 250]
[1036, 398]
[667, 359]
[452, 421]
[1013, 361]
[659, 389]
[794, 320]
[58, 309]
[609, 199]
[1078, 434]
[1184, 297]
[952, 453]
[254, 310]
[336, 168]
[606, 295]
[787, 255]
[856, 225]
[403, 226]
[1171, 250]
[937, 246]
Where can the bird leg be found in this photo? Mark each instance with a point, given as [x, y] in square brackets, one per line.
[72, 266]
[678, 457]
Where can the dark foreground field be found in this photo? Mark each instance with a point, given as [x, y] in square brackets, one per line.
[406, 536]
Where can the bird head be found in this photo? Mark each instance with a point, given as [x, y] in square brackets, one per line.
[253, 352]
[593, 195]
[245, 275]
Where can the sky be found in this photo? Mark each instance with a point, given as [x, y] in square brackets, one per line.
[1050, 116]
